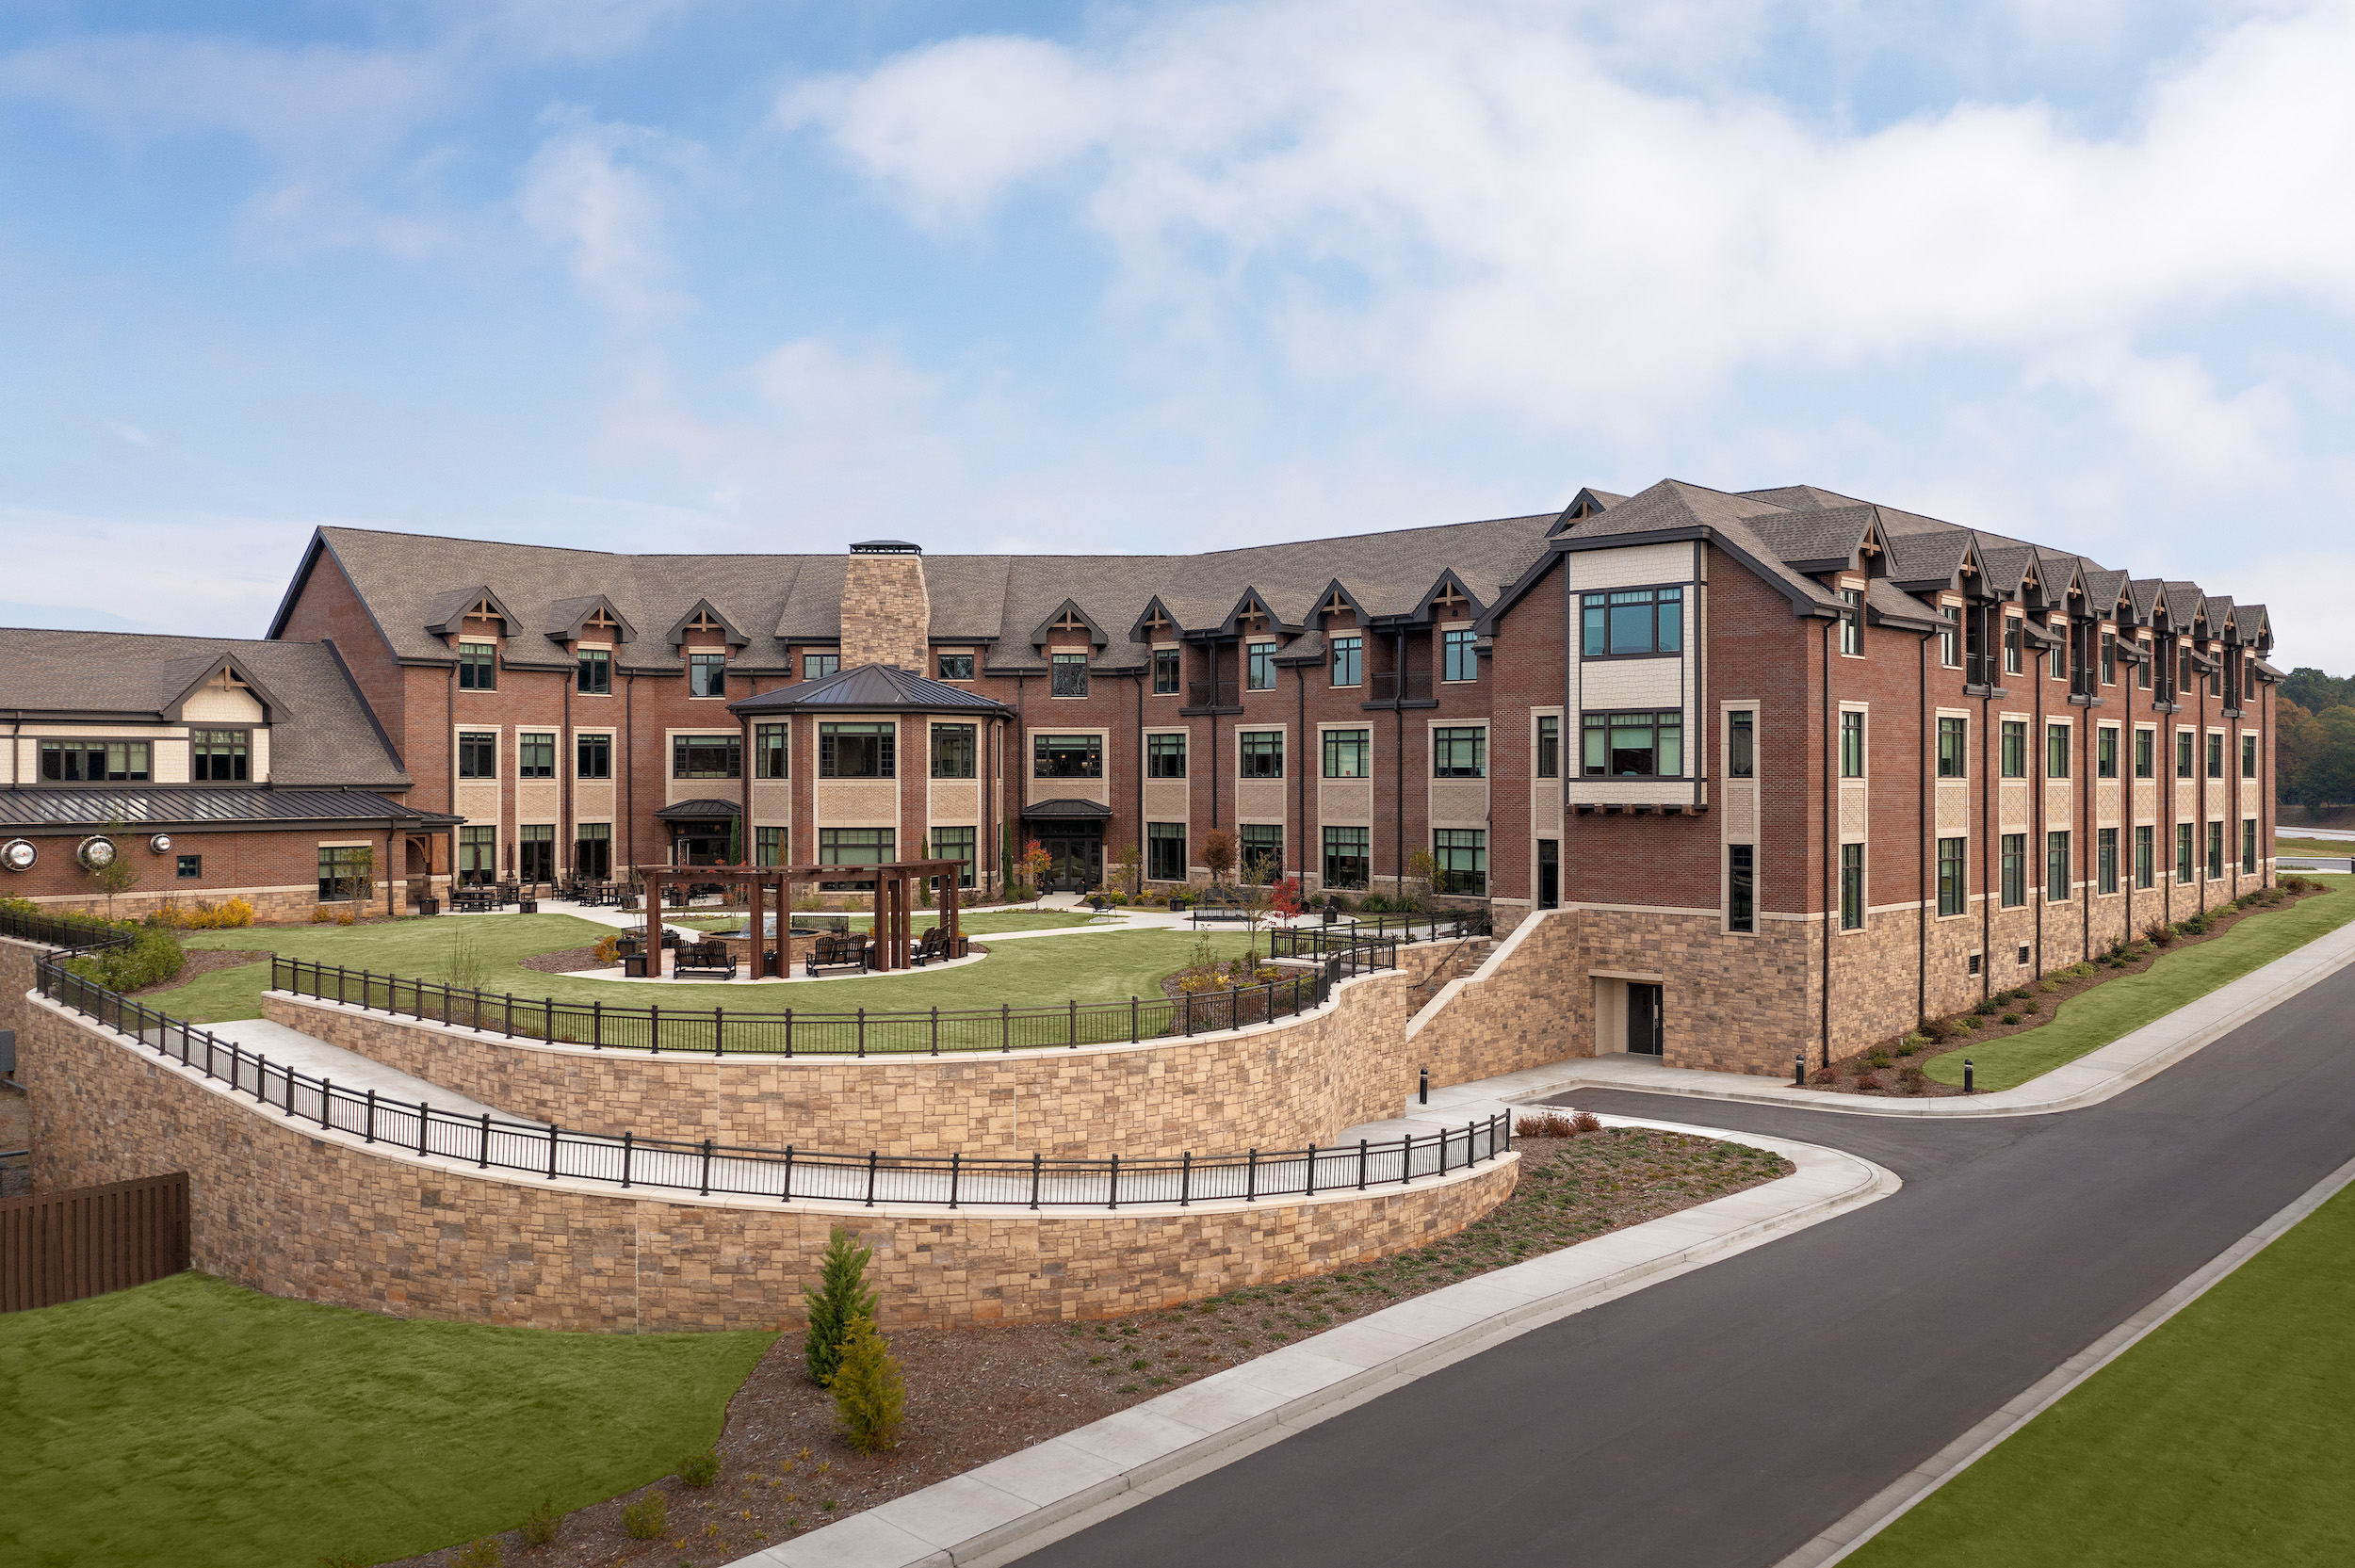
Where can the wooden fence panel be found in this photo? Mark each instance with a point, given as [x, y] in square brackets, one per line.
[88, 1241]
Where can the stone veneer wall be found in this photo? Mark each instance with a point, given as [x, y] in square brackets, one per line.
[16, 979]
[887, 614]
[1271, 1086]
[296, 1210]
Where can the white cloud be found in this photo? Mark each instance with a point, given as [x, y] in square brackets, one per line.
[599, 190]
[205, 574]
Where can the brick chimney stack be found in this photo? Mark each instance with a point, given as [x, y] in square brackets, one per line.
[886, 615]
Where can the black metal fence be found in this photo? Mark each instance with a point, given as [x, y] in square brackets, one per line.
[1318, 941]
[62, 931]
[710, 1169]
[863, 1032]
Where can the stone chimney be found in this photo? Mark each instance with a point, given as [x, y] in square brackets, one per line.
[886, 615]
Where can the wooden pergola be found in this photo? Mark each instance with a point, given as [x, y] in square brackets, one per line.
[897, 885]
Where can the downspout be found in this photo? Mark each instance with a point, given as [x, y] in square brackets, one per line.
[1927, 830]
[2088, 784]
[1990, 758]
[1301, 756]
[1830, 839]
[1214, 731]
[568, 771]
[1021, 728]
[630, 771]
[389, 826]
[1398, 764]
[1138, 678]
[2039, 758]
[449, 728]
[2200, 771]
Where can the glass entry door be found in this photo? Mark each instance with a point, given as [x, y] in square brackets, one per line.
[1079, 857]
[1643, 1019]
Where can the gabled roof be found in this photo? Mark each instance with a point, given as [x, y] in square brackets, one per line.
[2252, 623]
[203, 671]
[2007, 566]
[2103, 590]
[2183, 601]
[1890, 605]
[567, 616]
[1930, 560]
[1673, 509]
[1824, 540]
[704, 608]
[1069, 610]
[2144, 593]
[871, 689]
[446, 615]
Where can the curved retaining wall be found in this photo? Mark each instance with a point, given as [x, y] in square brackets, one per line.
[296, 1210]
[1268, 1085]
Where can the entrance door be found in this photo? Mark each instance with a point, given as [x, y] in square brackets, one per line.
[1079, 858]
[1549, 873]
[1643, 1019]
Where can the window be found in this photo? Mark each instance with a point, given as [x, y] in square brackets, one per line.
[478, 754]
[2015, 867]
[1741, 887]
[2183, 753]
[1165, 756]
[343, 867]
[2011, 645]
[1260, 667]
[1463, 857]
[1741, 744]
[1852, 745]
[2015, 747]
[768, 846]
[2146, 857]
[2059, 628]
[2183, 855]
[95, 762]
[1633, 745]
[2249, 756]
[2109, 658]
[2142, 666]
[1548, 746]
[1348, 856]
[219, 756]
[1259, 755]
[955, 667]
[853, 846]
[1164, 671]
[956, 843]
[478, 667]
[2056, 750]
[535, 852]
[1852, 622]
[1459, 753]
[1852, 887]
[1950, 637]
[706, 756]
[2215, 851]
[1954, 747]
[1349, 754]
[535, 757]
[1632, 622]
[772, 751]
[594, 677]
[2216, 755]
[478, 855]
[2105, 860]
[2182, 669]
[817, 667]
[2144, 743]
[2248, 846]
[1349, 661]
[188, 866]
[955, 748]
[1066, 756]
[869, 750]
[1460, 659]
[707, 674]
[1165, 852]
[1954, 887]
[1261, 855]
[1071, 676]
[592, 850]
[593, 756]
[2106, 752]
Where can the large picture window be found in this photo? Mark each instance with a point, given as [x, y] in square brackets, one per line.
[853, 846]
[1260, 667]
[1349, 661]
[772, 751]
[1348, 857]
[593, 756]
[1463, 857]
[1261, 852]
[94, 762]
[1348, 753]
[1259, 755]
[955, 844]
[867, 748]
[1954, 888]
[1954, 747]
[592, 850]
[535, 852]
[1642, 745]
[478, 855]
[478, 667]
[1165, 852]
[1460, 656]
[1631, 621]
[593, 673]
[343, 871]
[1165, 756]
[707, 674]
[1066, 756]
[1459, 753]
[1070, 673]
[478, 754]
[955, 750]
[535, 755]
[706, 756]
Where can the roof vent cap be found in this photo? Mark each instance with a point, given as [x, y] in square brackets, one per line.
[886, 547]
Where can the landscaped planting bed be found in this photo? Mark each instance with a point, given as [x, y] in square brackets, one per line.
[978, 1394]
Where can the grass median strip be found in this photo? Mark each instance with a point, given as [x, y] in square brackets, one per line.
[2225, 1437]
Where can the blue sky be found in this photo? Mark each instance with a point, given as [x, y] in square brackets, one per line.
[662, 274]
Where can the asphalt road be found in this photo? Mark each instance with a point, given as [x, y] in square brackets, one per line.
[1726, 1416]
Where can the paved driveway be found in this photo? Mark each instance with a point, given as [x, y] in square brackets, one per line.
[1726, 1416]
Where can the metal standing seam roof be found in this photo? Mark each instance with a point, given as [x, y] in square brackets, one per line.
[871, 689]
[706, 810]
[195, 808]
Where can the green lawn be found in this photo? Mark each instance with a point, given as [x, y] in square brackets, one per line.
[1101, 966]
[194, 1422]
[2225, 1437]
[2338, 849]
[2093, 1019]
[972, 925]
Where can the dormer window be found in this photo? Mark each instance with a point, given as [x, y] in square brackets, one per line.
[596, 673]
[1070, 675]
[478, 667]
[707, 674]
[217, 756]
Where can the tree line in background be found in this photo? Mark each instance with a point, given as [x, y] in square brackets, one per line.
[2314, 753]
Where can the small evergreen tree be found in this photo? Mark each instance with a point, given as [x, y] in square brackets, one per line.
[839, 1297]
[870, 1396]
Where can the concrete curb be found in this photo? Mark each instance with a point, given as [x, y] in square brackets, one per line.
[1012, 1506]
[1892, 1501]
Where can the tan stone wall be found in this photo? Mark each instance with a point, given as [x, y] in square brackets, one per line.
[295, 1211]
[16, 979]
[886, 615]
[1276, 1085]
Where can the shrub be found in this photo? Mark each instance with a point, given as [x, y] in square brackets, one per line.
[483, 1553]
[1375, 903]
[1824, 1075]
[700, 1470]
[609, 949]
[2030, 1005]
[1968, 1021]
[539, 1526]
[1913, 1079]
[320, 914]
[841, 1297]
[870, 1396]
[2195, 925]
[346, 918]
[2159, 932]
[152, 957]
[1585, 1121]
[648, 1517]
[2012, 1018]
[1984, 1008]
[203, 916]
[1550, 1124]
[1876, 1058]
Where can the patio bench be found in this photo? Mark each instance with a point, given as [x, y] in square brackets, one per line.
[837, 951]
[703, 957]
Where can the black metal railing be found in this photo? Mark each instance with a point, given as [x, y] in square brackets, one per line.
[710, 1169]
[1316, 941]
[62, 931]
[863, 1032]
[1391, 686]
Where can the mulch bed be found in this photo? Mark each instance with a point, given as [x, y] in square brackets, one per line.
[2016, 1010]
[203, 962]
[564, 961]
[978, 1394]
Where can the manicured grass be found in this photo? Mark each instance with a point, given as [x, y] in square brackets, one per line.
[2337, 848]
[2091, 1020]
[972, 925]
[2224, 1437]
[411, 948]
[197, 1423]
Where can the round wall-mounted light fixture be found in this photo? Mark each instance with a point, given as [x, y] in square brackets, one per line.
[161, 843]
[96, 853]
[18, 854]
